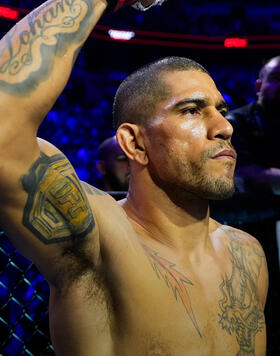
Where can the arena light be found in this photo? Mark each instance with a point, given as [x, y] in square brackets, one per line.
[120, 35]
[8, 13]
[235, 42]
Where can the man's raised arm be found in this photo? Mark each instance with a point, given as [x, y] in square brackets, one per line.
[43, 206]
[37, 54]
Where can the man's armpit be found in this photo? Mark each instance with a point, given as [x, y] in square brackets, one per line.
[57, 208]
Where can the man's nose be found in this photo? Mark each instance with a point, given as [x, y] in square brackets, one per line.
[219, 127]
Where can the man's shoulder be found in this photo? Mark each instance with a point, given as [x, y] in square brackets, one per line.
[91, 190]
[234, 235]
[249, 267]
[104, 206]
[242, 239]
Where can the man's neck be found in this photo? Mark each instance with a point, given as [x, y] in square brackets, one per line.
[183, 224]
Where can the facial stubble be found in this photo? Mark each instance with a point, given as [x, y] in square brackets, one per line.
[192, 179]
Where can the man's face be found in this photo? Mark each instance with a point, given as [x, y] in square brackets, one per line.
[117, 169]
[188, 141]
[269, 92]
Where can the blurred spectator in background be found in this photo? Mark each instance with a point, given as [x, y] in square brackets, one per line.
[113, 166]
[256, 138]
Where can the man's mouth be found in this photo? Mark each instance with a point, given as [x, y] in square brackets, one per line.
[226, 154]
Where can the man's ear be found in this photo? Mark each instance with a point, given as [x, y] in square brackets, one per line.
[258, 84]
[131, 141]
[100, 166]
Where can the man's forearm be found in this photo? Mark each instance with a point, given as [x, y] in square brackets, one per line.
[42, 48]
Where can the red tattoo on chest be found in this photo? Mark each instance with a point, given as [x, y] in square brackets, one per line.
[175, 280]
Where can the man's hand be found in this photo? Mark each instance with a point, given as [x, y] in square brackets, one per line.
[142, 5]
[147, 3]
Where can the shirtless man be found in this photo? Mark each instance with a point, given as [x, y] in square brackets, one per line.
[153, 274]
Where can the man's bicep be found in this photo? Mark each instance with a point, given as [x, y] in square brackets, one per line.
[48, 217]
[57, 208]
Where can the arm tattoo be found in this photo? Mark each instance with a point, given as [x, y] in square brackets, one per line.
[49, 30]
[175, 280]
[241, 313]
[57, 208]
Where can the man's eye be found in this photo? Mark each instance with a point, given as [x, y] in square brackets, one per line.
[191, 111]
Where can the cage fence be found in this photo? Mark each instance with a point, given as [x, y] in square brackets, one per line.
[24, 327]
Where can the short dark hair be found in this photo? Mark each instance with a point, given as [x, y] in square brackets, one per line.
[263, 70]
[137, 96]
[105, 148]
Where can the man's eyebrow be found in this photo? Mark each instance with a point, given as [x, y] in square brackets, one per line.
[198, 101]
[201, 103]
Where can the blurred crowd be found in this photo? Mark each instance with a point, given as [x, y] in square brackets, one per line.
[195, 17]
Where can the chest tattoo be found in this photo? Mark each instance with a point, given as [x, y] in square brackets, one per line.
[175, 280]
[241, 313]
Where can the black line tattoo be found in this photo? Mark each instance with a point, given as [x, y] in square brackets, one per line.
[49, 30]
[175, 280]
[241, 312]
[57, 208]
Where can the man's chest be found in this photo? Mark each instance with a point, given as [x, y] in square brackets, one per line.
[167, 306]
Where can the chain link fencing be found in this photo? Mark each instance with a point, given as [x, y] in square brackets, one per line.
[24, 327]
